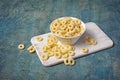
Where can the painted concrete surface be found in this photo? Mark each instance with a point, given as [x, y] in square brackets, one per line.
[22, 19]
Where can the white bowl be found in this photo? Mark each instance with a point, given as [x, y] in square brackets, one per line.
[69, 40]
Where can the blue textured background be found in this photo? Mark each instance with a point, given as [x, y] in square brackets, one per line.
[22, 19]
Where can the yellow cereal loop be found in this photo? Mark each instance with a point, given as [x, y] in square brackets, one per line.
[66, 61]
[76, 21]
[57, 32]
[64, 51]
[71, 53]
[89, 40]
[30, 47]
[65, 55]
[57, 55]
[21, 46]
[32, 50]
[51, 44]
[71, 62]
[67, 27]
[63, 27]
[58, 45]
[63, 32]
[56, 50]
[69, 47]
[84, 50]
[78, 29]
[55, 24]
[49, 36]
[63, 21]
[39, 38]
[68, 19]
[55, 40]
[50, 54]
[45, 48]
[44, 57]
[70, 26]
[51, 39]
[54, 29]
[93, 41]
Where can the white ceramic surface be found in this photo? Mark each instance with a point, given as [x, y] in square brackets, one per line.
[92, 29]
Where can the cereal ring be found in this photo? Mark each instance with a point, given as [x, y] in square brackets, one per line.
[66, 61]
[58, 32]
[88, 42]
[56, 50]
[44, 57]
[71, 53]
[50, 54]
[87, 38]
[39, 38]
[55, 24]
[84, 50]
[57, 55]
[21, 46]
[54, 29]
[30, 47]
[44, 49]
[32, 50]
[63, 27]
[71, 62]
[93, 41]
[64, 55]
[69, 47]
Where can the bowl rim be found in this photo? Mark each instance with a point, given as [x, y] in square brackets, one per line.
[83, 25]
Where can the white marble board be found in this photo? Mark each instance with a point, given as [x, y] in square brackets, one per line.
[103, 42]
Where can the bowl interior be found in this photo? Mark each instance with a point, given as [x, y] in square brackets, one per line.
[83, 25]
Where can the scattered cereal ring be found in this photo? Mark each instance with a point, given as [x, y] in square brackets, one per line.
[21, 46]
[84, 50]
[88, 42]
[44, 57]
[31, 49]
[39, 38]
[66, 61]
[71, 62]
[93, 41]
[57, 50]
[87, 37]
[71, 53]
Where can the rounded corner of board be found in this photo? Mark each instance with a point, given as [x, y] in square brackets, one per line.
[46, 65]
[91, 23]
[31, 39]
[112, 43]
